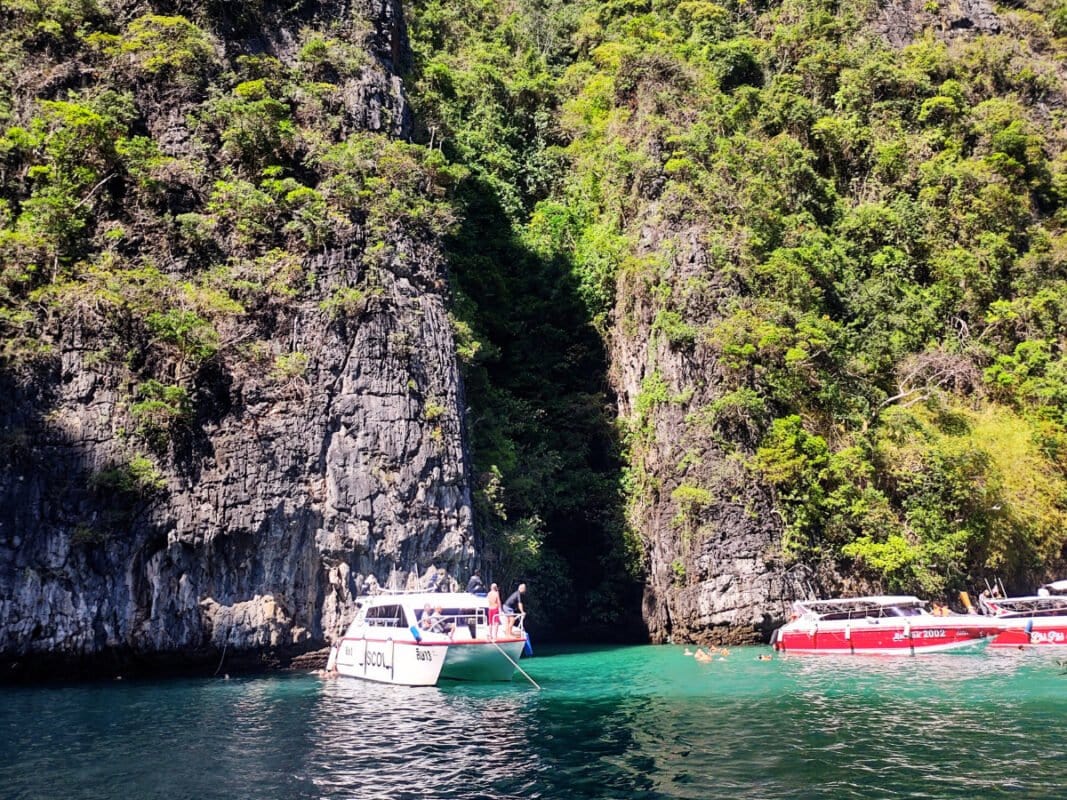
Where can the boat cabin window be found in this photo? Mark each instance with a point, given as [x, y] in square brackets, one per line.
[387, 617]
[902, 611]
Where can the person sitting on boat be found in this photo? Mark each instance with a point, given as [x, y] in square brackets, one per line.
[426, 621]
[513, 602]
[475, 585]
[439, 624]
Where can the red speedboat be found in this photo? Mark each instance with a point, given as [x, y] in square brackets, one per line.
[1036, 621]
[878, 625]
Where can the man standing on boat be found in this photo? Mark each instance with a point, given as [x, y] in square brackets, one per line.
[513, 602]
[493, 601]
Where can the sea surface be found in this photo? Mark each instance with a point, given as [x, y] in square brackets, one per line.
[628, 722]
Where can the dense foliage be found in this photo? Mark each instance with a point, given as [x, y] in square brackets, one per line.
[164, 190]
[888, 221]
[881, 227]
[486, 89]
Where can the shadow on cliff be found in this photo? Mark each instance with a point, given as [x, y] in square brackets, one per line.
[540, 422]
[89, 580]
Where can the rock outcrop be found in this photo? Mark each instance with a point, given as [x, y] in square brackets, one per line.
[715, 573]
[293, 489]
[900, 21]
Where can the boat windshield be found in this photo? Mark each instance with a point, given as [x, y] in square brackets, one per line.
[861, 607]
[902, 611]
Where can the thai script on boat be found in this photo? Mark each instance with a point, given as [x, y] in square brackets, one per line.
[1046, 637]
[423, 654]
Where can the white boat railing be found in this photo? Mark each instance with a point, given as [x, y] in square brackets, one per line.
[473, 622]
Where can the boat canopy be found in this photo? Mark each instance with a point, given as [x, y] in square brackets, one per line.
[418, 599]
[842, 608]
[1028, 606]
[1060, 587]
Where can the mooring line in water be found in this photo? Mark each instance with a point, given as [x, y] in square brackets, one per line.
[224, 646]
[514, 664]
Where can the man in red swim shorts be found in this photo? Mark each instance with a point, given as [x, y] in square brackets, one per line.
[493, 598]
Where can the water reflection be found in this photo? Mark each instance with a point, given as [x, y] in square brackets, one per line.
[384, 741]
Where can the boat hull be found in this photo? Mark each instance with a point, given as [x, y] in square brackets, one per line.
[874, 638]
[424, 663]
[389, 661]
[1033, 633]
[482, 662]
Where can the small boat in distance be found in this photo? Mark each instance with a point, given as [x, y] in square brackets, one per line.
[391, 640]
[879, 626]
[1035, 621]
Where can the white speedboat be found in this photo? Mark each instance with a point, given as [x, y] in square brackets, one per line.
[401, 638]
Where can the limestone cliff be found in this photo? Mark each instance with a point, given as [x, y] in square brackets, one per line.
[320, 446]
[696, 411]
[715, 572]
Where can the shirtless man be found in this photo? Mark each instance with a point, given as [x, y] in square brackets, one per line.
[493, 599]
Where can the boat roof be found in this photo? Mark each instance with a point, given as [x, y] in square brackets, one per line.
[858, 603]
[417, 599]
[1035, 603]
[1056, 586]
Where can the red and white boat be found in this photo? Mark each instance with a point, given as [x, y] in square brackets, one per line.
[879, 626]
[1036, 621]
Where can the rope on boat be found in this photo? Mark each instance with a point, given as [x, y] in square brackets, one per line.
[514, 664]
[224, 646]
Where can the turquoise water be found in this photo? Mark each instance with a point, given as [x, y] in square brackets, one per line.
[635, 722]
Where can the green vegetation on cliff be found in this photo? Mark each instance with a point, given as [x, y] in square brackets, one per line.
[849, 229]
[161, 187]
[877, 202]
[485, 91]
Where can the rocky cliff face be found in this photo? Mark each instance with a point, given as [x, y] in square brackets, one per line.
[712, 529]
[326, 459]
[715, 573]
